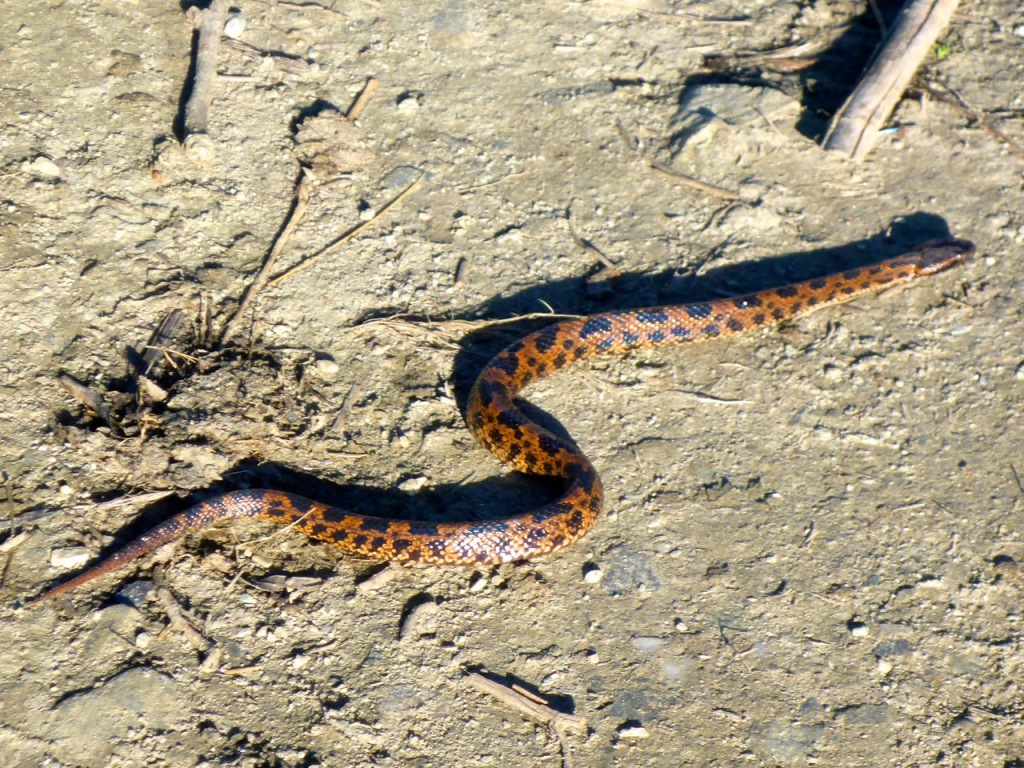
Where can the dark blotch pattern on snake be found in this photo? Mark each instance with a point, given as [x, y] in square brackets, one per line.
[501, 427]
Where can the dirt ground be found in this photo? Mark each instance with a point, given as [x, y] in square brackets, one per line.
[810, 553]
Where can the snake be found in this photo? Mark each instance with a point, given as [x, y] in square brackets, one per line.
[499, 424]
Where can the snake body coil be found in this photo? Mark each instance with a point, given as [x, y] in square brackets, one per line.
[500, 426]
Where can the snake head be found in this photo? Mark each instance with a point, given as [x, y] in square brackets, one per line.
[938, 255]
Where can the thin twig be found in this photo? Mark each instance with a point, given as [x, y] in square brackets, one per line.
[181, 620]
[362, 100]
[354, 393]
[454, 327]
[331, 247]
[506, 177]
[1016, 477]
[587, 246]
[952, 97]
[689, 181]
[539, 713]
[299, 205]
[879, 18]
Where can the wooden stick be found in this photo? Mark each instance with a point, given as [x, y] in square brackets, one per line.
[854, 129]
[539, 713]
[362, 100]
[199, 147]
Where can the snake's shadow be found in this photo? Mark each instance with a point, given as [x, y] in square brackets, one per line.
[504, 493]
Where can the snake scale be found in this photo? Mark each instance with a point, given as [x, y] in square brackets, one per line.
[500, 426]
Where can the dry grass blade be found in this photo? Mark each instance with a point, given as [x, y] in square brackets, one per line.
[693, 183]
[611, 269]
[298, 210]
[328, 249]
[454, 328]
[948, 95]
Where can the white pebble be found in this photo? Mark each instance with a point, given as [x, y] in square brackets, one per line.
[376, 581]
[408, 102]
[633, 732]
[43, 167]
[592, 573]
[69, 557]
[477, 583]
[422, 620]
[413, 484]
[859, 630]
[234, 26]
[326, 368]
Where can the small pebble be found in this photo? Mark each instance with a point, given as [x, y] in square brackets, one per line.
[326, 368]
[857, 629]
[477, 583]
[633, 732]
[143, 640]
[422, 620]
[592, 573]
[43, 167]
[1005, 567]
[413, 484]
[376, 581]
[234, 26]
[408, 102]
[136, 593]
[69, 557]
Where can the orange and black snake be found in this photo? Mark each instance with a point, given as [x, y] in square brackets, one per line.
[500, 426]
